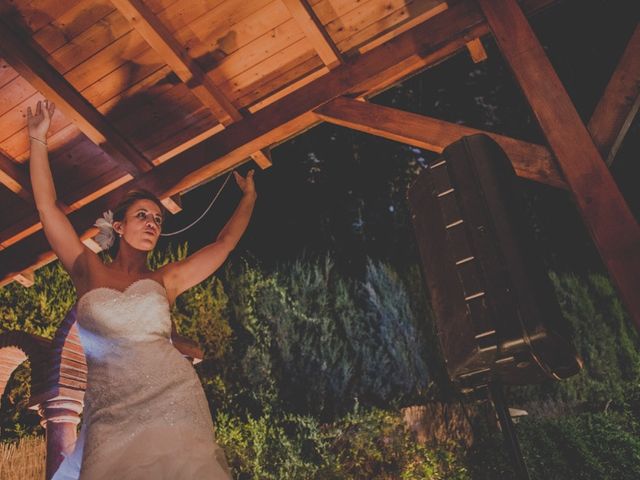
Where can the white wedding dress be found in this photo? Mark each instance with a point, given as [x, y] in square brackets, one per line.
[145, 413]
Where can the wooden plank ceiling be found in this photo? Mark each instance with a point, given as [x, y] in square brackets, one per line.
[165, 94]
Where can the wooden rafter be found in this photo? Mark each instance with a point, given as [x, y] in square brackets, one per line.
[313, 29]
[620, 102]
[610, 221]
[22, 55]
[476, 50]
[161, 40]
[15, 179]
[529, 160]
[186, 68]
[440, 36]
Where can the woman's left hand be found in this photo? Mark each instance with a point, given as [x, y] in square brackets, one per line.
[245, 183]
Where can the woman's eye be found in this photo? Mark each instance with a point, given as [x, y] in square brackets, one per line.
[158, 220]
[141, 215]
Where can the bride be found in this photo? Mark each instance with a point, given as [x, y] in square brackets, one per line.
[145, 413]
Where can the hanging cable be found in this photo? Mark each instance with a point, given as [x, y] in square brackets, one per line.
[203, 213]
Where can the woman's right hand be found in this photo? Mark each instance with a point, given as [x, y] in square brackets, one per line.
[39, 123]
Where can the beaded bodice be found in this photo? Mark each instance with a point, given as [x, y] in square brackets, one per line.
[109, 318]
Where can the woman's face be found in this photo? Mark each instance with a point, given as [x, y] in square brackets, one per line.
[141, 225]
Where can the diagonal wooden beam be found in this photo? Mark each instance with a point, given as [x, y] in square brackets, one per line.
[315, 32]
[620, 102]
[428, 43]
[613, 227]
[186, 68]
[15, 178]
[23, 56]
[529, 160]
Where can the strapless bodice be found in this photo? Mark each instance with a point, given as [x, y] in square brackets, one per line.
[108, 317]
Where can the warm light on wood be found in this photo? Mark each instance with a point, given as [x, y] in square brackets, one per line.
[476, 50]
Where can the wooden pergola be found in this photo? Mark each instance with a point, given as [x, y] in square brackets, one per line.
[167, 94]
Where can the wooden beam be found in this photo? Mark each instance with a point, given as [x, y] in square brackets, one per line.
[173, 203]
[262, 158]
[315, 32]
[614, 229]
[529, 160]
[161, 40]
[433, 41]
[26, 278]
[477, 51]
[619, 104]
[15, 178]
[22, 55]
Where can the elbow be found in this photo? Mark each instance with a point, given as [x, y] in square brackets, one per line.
[226, 244]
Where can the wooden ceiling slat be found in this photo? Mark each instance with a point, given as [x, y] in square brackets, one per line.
[7, 74]
[263, 47]
[531, 161]
[224, 29]
[72, 24]
[377, 13]
[114, 29]
[276, 86]
[17, 145]
[392, 25]
[276, 122]
[15, 179]
[314, 31]
[159, 38]
[14, 93]
[268, 69]
[619, 104]
[613, 227]
[271, 68]
[297, 81]
[32, 16]
[61, 131]
[47, 80]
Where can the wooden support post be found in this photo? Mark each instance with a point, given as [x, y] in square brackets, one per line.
[620, 102]
[614, 229]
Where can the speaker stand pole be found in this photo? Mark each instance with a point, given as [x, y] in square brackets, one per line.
[508, 432]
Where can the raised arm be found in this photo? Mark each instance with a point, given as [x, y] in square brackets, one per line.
[182, 275]
[57, 228]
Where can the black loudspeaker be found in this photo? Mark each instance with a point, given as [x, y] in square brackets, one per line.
[496, 313]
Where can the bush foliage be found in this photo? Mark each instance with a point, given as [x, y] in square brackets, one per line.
[306, 370]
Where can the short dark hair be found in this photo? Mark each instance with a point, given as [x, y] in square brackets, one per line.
[123, 205]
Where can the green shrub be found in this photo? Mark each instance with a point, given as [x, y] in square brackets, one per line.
[587, 446]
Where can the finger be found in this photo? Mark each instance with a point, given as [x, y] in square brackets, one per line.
[52, 108]
[39, 108]
[29, 112]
